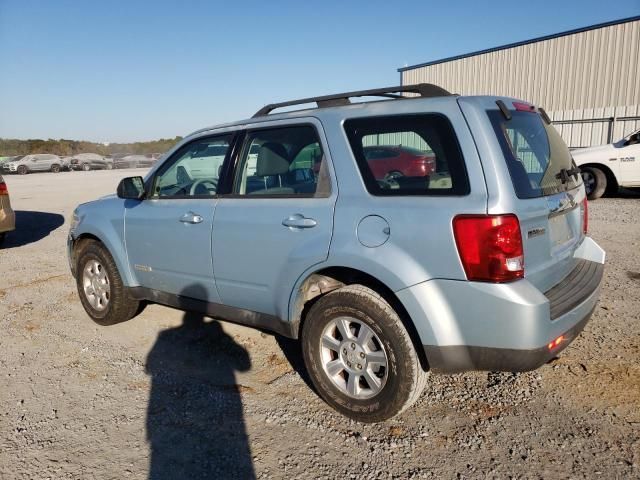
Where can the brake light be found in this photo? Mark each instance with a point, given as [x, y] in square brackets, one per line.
[524, 107]
[585, 216]
[490, 247]
[555, 343]
[3, 189]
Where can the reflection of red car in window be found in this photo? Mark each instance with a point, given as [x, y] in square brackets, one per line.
[390, 161]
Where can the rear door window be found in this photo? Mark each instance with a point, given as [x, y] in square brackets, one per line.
[535, 154]
[408, 155]
[283, 162]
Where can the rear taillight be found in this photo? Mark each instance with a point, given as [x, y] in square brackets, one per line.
[585, 216]
[490, 247]
[3, 189]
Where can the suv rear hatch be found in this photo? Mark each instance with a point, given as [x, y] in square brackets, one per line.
[551, 203]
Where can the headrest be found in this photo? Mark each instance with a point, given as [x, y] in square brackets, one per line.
[272, 160]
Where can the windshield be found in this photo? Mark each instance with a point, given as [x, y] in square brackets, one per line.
[535, 154]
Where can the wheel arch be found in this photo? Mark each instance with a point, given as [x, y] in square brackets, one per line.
[325, 280]
[115, 248]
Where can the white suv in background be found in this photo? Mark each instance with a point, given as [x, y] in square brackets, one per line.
[607, 167]
[40, 162]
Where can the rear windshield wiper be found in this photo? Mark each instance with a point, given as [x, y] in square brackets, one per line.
[565, 174]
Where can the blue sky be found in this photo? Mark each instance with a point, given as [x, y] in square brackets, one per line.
[138, 70]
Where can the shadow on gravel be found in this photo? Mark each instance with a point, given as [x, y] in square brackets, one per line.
[292, 350]
[195, 423]
[628, 193]
[32, 227]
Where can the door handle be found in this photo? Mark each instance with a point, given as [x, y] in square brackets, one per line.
[191, 217]
[299, 221]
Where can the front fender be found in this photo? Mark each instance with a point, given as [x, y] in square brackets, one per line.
[104, 220]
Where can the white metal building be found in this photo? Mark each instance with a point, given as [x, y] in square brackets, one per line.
[588, 80]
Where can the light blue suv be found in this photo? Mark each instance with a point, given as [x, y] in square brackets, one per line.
[279, 222]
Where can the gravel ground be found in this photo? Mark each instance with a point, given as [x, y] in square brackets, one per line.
[170, 395]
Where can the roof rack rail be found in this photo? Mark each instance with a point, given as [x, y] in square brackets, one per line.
[338, 99]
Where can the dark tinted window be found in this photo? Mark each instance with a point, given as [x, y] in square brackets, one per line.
[408, 155]
[535, 154]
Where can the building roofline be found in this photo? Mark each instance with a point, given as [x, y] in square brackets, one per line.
[521, 43]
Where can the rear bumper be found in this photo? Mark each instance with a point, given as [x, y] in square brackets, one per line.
[461, 358]
[7, 216]
[503, 327]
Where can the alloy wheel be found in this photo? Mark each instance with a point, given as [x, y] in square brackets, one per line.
[353, 357]
[95, 282]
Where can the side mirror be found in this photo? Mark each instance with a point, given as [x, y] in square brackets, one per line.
[131, 188]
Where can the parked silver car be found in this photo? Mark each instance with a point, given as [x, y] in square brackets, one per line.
[134, 161]
[478, 261]
[39, 162]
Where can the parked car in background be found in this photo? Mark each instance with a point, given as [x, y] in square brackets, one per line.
[39, 162]
[7, 216]
[66, 163]
[134, 161]
[605, 168]
[382, 280]
[90, 161]
[387, 162]
[7, 159]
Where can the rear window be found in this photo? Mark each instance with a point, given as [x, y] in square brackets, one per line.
[535, 154]
[408, 155]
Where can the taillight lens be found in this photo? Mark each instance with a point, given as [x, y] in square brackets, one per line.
[3, 189]
[490, 247]
[585, 216]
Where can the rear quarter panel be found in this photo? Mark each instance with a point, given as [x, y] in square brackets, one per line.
[421, 245]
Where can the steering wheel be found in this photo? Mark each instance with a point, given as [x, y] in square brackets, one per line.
[203, 181]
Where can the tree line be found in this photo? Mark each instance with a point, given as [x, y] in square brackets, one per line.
[62, 147]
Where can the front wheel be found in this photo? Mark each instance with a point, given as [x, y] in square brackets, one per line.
[595, 182]
[22, 170]
[86, 167]
[102, 293]
[360, 356]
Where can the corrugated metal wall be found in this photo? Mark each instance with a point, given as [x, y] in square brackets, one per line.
[578, 76]
[577, 133]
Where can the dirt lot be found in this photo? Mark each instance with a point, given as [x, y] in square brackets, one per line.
[169, 395]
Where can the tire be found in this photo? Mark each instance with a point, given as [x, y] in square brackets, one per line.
[22, 170]
[109, 166]
[96, 269]
[86, 167]
[325, 350]
[595, 182]
[3, 236]
[55, 168]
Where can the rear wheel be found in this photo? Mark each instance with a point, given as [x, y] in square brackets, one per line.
[109, 166]
[22, 170]
[102, 293]
[595, 182]
[55, 168]
[359, 355]
[3, 236]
